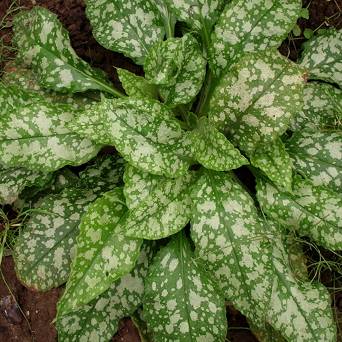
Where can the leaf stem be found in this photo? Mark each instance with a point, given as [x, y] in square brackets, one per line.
[204, 97]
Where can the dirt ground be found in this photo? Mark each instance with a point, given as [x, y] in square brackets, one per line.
[32, 319]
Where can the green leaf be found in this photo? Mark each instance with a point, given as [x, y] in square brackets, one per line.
[312, 211]
[181, 303]
[160, 206]
[144, 131]
[318, 156]
[13, 181]
[308, 33]
[246, 26]
[45, 248]
[130, 27]
[275, 162]
[104, 253]
[136, 86]
[199, 14]
[255, 102]
[297, 31]
[304, 13]
[322, 56]
[213, 150]
[99, 320]
[44, 45]
[34, 136]
[23, 81]
[104, 175]
[322, 108]
[178, 66]
[248, 260]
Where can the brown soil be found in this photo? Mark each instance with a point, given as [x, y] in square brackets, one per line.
[39, 308]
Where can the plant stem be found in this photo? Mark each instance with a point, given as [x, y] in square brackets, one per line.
[204, 97]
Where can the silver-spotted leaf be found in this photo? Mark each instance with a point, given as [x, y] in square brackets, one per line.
[251, 264]
[104, 175]
[199, 14]
[317, 155]
[275, 162]
[322, 108]
[213, 150]
[144, 131]
[313, 211]
[130, 27]
[322, 56]
[136, 86]
[251, 26]
[44, 45]
[14, 180]
[160, 206]
[34, 135]
[104, 253]
[255, 102]
[46, 246]
[181, 302]
[99, 320]
[178, 66]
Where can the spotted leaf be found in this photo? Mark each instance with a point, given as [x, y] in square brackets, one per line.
[130, 27]
[14, 180]
[181, 303]
[257, 99]
[275, 162]
[136, 86]
[144, 132]
[322, 56]
[251, 26]
[164, 207]
[104, 175]
[250, 263]
[199, 14]
[34, 136]
[45, 248]
[99, 320]
[44, 45]
[318, 156]
[313, 211]
[104, 253]
[322, 108]
[178, 65]
[213, 150]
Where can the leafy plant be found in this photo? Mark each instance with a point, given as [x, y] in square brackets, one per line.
[216, 96]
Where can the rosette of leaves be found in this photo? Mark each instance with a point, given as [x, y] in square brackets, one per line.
[216, 97]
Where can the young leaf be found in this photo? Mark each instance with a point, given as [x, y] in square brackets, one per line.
[256, 100]
[213, 150]
[312, 211]
[136, 86]
[130, 27]
[318, 156]
[178, 65]
[34, 136]
[104, 253]
[322, 56]
[44, 250]
[98, 320]
[44, 45]
[275, 162]
[164, 207]
[181, 302]
[250, 264]
[144, 132]
[104, 175]
[199, 14]
[13, 181]
[251, 27]
[322, 108]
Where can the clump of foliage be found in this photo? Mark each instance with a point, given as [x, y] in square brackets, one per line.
[164, 230]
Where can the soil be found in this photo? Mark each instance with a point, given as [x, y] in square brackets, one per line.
[26, 315]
